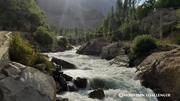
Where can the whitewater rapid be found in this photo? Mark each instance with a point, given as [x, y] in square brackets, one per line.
[119, 81]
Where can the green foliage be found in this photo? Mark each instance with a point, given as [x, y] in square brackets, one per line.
[63, 41]
[175, 38]
[72, 34]
[143, 44]
[43, 36]
[167, 3]
[39, 58]
[15, 14]
[21, 51]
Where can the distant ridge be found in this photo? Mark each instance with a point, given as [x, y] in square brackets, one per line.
[86, 14]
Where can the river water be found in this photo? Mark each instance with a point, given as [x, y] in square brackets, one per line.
[120, 82]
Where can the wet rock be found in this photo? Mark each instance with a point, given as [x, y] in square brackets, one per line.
[58, 87]
[72, 87]
[98, 93]
[97, 83]
[80, 82]
[63, 83]
[64, 64]
[94, 47]
[67, 77]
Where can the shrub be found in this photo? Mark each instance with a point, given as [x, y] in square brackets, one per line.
[21, 51]
[43, 37]
[143, 44]
[63, 41]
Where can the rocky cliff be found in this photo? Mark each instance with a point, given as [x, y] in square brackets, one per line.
[152, 22]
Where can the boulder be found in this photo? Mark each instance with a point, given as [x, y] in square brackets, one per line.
[67, 77]
[41, 66]
[63, 83]
[97, 83]
[98, 93]
[120, 60]
[80, 82]
[22, 83]
[11, 70]
[58, 87]
[72, 87]
[64, 64]
[160, 72]
[57, 71]
[94, 47]
[112, 50]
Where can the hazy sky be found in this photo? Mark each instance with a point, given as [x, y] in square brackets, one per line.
[142, 1]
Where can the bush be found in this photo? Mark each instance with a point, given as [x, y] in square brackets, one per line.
[143, 44]
[21, 51]
[63, 41]
[43, 37]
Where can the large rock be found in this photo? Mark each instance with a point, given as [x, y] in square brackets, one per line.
[81, 82]
[63, 83]
[94, 47]
[24, 83]
[64, 64]
[112, 50]
[161, 72]
[98, 93]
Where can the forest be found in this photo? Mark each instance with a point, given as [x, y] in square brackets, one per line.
[122, 23]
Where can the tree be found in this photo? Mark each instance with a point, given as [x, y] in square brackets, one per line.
[15, 14]
[167, 3]
[43, 36]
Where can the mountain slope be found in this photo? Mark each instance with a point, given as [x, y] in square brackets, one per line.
[85, 14]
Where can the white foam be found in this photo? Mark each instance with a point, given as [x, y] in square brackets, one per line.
[117, 79]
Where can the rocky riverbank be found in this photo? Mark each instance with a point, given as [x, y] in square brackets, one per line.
[65, 82]
[157, 70]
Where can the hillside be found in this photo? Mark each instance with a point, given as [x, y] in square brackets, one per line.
[85, 14]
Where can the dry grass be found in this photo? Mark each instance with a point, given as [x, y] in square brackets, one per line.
[166, 40]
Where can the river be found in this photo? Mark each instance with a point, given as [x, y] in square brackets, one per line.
[120, 82]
